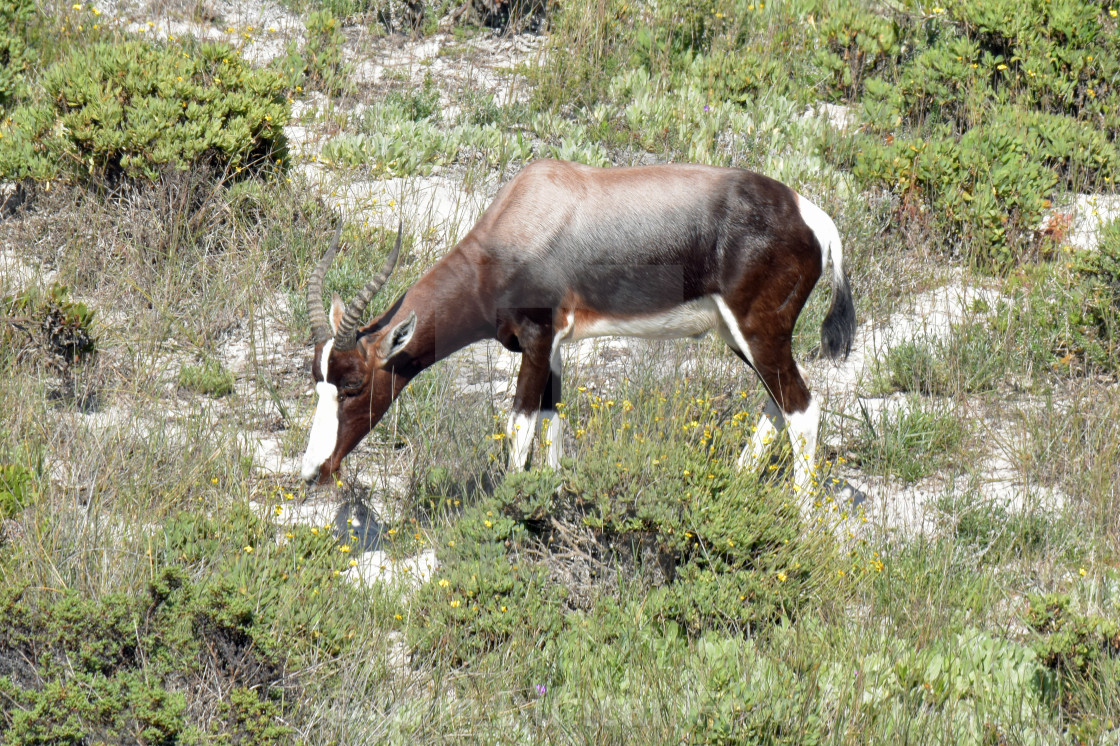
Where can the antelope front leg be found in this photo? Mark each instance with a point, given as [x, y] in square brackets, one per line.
[534, 392]
[552, 436]
[769, 426]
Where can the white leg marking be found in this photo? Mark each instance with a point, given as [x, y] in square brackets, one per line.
[731, 327]
[324, 427]
[802, 429]
[520, 432]
[553, 437]
[769, 426]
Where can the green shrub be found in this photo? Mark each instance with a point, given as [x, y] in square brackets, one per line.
[1070, 643]
[857, 44]
[16, 56]
[1082, 652]
[210, 378]
[990, 108]
[17, 488]
[987, 187]
[124, 667]
[484, 594]
[217, 645]
[60, 330]
[318, 63]
[911, 444]
[737, 704]
[652, 502]
[135, 108]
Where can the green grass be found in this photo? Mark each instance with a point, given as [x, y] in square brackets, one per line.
[209, 378]
[647, 593]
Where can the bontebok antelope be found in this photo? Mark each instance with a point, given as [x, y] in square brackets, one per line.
[567, 252]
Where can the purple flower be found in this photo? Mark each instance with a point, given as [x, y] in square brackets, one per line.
[540, 690]
[705, 107]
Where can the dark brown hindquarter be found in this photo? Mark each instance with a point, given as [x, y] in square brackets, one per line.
[625, 242]
[767, 300]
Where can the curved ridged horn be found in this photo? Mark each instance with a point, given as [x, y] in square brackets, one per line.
[320, 324]
[347, 336]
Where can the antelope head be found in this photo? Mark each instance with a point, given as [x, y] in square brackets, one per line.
[352, 386]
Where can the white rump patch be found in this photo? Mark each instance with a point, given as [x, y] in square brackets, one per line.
[324, 427]
[825, 231]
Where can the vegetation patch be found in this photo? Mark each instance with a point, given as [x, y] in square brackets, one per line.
[189, 657]
[136, 108]
[209, 378]
[716, 549]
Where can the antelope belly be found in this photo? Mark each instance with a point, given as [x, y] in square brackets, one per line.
[686, 320]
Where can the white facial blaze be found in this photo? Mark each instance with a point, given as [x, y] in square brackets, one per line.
[324, 427]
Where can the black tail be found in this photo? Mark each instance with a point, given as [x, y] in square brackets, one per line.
[839, 326]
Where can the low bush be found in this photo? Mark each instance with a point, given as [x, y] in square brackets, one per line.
[17, 489]
[1082, 652]
[136, 108]
[16, 55]
[209, 378]
[653, 502]
[49, 329]
[215, 646]
[318, 63]
[978, 122]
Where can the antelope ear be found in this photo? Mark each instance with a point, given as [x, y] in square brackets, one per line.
[396, 339]
[337, 309]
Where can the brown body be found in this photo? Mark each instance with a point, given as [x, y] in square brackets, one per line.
[568, 251]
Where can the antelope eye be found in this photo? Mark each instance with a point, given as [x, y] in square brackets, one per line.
[350, 388]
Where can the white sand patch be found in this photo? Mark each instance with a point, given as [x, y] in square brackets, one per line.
[1078, 222]
[259, 31]
[268, 455]
[840, 118]
[379, 567]
[911, 510]
[260, 338]
[429, 205]
[481, 65]
[931, 319]
[19, 273]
